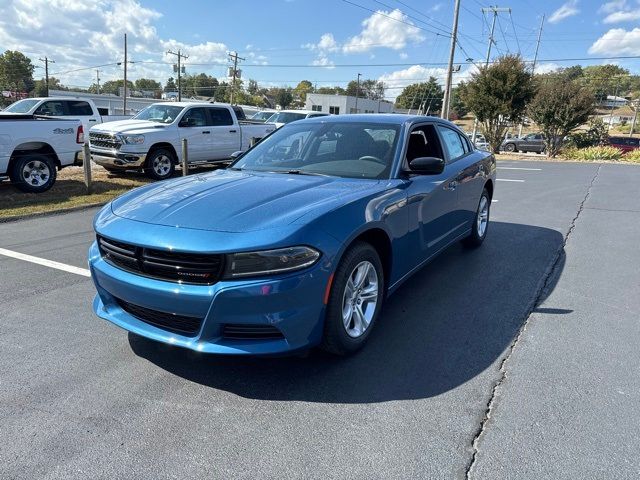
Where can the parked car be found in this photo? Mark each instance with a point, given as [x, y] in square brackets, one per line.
[151, 141]
[532, 142]
[480, 141]
[32, 149]
[263, 115]
[298, 242]
[283, 117]
[624, 144]
[79, 108]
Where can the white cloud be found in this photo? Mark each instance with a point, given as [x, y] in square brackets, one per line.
[403, 55]
[396, 81]
[617, 41]
[384, 29]
[610, 7]
[567, 10]
[547, 67]
[323, 61]
[619, 11]
[623, 16]
[437, 7]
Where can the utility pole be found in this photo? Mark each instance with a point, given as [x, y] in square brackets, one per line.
[535, 60]
[98, 80]
[358, 91]
[234, 56]
[46, 61]
[495, 11]
[179, 69]
[124, 101]
[447, 87]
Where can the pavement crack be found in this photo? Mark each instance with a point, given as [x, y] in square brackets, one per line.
[541, 292]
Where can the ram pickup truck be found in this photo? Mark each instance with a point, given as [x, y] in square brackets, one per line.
[32, 149]
[152, 140]
[79, 108]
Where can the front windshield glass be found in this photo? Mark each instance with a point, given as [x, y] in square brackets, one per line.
[341, 149]
[21, 106]
[286, 117]
[159, 113]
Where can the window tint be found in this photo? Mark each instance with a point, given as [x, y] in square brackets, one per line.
[79, 108]
[240, 115]
[54, 108]
[220, 116]
[465, 144]
[453, 142]
[196, 117]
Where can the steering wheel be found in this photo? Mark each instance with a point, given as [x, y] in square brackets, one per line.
[371, 158]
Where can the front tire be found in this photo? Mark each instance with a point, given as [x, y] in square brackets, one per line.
[355, 300]
[510, 147]
[33, 173]
[160, 164]
[480, 222]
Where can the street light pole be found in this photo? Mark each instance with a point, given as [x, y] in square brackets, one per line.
[358, 92]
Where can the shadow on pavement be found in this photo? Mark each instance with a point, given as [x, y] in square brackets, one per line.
[444, 326]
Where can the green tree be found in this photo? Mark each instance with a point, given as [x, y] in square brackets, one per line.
[331, 91]
[558, 108]
[371, 89]
[202, 85]
[113, 86]
[607, 80]
[40, 88]
[302, 89]
[425, 96]
[498, 95]
[458, 107]
[252, 87]
[16, 72]
[147, 84]
[170, 86]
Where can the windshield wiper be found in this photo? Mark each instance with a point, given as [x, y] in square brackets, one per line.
[302, 172]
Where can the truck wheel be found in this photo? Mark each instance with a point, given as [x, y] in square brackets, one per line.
[34, 173]
[161, 164]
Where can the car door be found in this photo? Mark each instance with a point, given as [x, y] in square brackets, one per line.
[432, 200]
[194, 127]
[225, 134]
[82, 111]
[538, 143]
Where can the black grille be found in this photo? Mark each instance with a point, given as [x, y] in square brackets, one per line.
[104, 140]
[251, 332]
[181, 324]
[193, 268]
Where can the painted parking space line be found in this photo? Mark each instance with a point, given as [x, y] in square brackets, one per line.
[521, 168]
[509, 180]
[46, 263]
[494, 201]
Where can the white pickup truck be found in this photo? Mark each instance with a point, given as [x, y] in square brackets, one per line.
[33, 148]
[152, 140]
[63, 107]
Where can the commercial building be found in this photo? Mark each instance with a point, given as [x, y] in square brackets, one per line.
[341, 104]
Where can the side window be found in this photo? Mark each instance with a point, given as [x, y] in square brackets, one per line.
[196, 117]
[465, 144]
[79, 108]
[220, 117]
[423, 142]
[453, 142]
[53, 108]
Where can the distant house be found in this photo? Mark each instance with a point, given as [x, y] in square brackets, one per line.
[341, 104]
[613, 102]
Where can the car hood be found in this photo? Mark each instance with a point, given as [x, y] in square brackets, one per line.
[239, 201]
[128, 126]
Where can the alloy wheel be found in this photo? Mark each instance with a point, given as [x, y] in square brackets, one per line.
[360, 299]
[36, 173]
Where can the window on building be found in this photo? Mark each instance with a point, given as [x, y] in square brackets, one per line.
[334, 110]
[316, 108]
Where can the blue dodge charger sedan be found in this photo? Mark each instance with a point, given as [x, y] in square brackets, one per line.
[298, 243]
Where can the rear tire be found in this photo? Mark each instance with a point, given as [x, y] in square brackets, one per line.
[480, 222]
[355, 300]
[510, 147]
[34, 173]
[160, 164]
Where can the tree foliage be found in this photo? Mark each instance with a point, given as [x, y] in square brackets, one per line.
[424, 96]
[331, 91]
[302, 89]
[498, 95]
[40, 88]
[371, 89]
[16, 72]
[147, 84]
[170, 86]
[596, 134]
[558, 108]
[458, 108]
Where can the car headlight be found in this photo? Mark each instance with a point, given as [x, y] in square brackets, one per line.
[270, 262]
[132, 139]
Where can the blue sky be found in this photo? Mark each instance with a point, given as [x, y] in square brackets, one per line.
[399, 42]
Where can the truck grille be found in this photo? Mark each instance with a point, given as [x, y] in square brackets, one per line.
[191, 268]
[104, 140]
[182, 324]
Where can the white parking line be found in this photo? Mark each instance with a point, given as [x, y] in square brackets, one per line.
[522, 168]
[494, 201]
[509, 180]
[47, 263]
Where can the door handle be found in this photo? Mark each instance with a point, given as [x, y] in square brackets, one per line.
[92, 120]
[206, 131]
[232, 131]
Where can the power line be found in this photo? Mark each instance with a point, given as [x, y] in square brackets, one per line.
[413, 18]
[514, 33]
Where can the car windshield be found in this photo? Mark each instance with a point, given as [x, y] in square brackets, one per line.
[159, 113]
[286, 117]
[21, 106]
[262, 115]
[341, 149]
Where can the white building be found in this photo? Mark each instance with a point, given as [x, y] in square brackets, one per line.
[341, 104]
[613, 102]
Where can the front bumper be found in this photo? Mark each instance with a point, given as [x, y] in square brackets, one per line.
[118, 159]
[293, 304]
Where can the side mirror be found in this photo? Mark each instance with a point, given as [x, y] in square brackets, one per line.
[427, 165]
[235, 155]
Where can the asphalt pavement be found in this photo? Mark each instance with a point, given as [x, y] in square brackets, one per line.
[516, 360]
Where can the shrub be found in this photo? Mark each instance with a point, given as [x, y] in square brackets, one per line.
[592, 153]
[632, 156]
[595, 135]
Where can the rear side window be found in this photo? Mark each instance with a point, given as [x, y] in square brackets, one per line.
[453, 142]
[239, 113]
[79, 108]
[52, 107]
[220, 116]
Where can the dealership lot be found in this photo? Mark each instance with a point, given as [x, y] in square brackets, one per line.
[519, 359]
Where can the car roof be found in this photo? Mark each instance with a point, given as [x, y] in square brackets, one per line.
[383, 118]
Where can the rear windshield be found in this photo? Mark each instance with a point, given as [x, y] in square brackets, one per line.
[22, 106]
